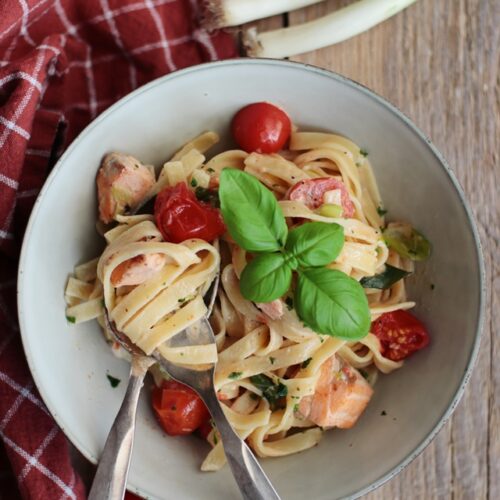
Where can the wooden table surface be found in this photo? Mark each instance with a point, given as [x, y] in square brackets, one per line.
[438, 61]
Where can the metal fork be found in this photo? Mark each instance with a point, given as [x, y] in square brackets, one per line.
[113, 467]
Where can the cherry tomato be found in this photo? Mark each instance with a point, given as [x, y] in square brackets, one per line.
[178, 409]
[180, 216]
[311, 191]
[400, 333]
[205, 429]
[261, 127]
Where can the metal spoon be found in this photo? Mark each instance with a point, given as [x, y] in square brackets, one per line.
[111, 477]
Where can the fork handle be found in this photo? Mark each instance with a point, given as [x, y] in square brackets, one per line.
[249, 476]
[110, 480]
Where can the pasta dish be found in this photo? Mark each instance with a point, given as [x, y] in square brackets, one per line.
[312, 304]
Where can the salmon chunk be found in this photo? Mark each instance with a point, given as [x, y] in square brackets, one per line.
[272, 309]
[340, 396]
[122, 181]
[137, 270]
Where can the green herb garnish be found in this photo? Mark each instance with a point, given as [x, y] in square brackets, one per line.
[113, 380]
[271, 391]
[272, 360]
[381, 211]
[326, 300]
[384, 280]
[194, 182]
[71, 319]
[363, 152]
[208, 196]
[289, 303]
[407, 241]
[235, 375]
[305, 363]
[210, 170]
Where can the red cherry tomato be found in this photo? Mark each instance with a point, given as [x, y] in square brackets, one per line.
[311, 191]
[180, 216]
[178, 409]
[400, 333]
[261, 127]
[205, 429]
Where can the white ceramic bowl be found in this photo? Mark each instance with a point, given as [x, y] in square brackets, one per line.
[69, 363]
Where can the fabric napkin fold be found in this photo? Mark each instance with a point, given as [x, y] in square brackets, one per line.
[62, 62]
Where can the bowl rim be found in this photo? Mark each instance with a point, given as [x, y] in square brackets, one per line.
[307, 68]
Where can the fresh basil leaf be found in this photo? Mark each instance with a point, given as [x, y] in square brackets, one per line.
[251, 213]
[384, 280]
[315, 243]
[332, 303]
[271, 391]
[407, 241]
[265, 278]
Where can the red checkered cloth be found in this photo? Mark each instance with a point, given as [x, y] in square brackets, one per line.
[62, 62]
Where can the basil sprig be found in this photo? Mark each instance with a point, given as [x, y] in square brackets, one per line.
[328, 301]
[385, 279]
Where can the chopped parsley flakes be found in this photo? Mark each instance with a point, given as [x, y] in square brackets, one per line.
[115, 382]
[305, 363]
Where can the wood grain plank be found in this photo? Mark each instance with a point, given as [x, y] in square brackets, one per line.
[439, 62]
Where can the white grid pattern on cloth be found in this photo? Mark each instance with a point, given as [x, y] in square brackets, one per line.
[20, 389]
[73, 30]
[14, 127]
[34, 461]
[23, 75]
[108, 16]
[16, 404]
[38, 152]
[28, 193]
[71, 484]
[38, 453]
[14, 25]
[159, 26]
[202, 37]
[6, 235]
[24, 23]
[24, 102]
[13, 184]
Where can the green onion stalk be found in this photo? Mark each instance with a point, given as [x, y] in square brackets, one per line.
[333, 28]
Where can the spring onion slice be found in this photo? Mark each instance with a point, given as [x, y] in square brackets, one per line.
[328, 30]
[223, 13]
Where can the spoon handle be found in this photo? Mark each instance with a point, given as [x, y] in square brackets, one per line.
[249, 476]
[111, 476]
